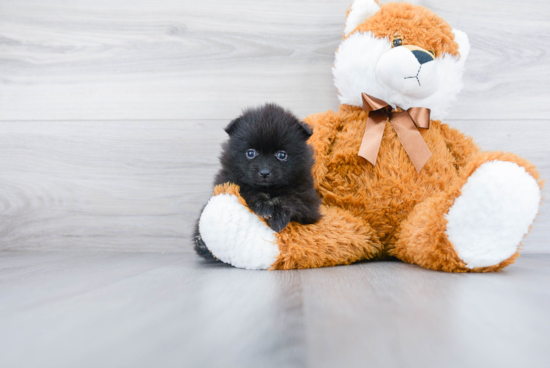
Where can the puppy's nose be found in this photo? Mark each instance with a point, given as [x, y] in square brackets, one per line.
[265, 173]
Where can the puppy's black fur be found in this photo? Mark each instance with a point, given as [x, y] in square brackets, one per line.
[268, 157]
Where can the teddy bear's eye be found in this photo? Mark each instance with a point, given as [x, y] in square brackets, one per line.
[251, 153]
[432, 52]
[397, 42]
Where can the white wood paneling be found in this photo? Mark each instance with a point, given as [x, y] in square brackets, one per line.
[139, 185]
[122, 59]
[111, 111]
[109, 185]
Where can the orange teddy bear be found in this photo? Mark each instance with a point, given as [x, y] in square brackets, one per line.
[393, 179]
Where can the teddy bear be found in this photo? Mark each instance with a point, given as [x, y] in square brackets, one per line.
[394, 180]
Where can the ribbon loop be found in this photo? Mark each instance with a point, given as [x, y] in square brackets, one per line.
[405, 123]
[372, 103]
[420, 116]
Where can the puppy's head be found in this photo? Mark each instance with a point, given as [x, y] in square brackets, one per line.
[267, 147]
[401, 53]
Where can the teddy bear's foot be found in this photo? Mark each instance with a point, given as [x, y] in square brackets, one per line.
[234, 234]
[497, 206]
[477, 224]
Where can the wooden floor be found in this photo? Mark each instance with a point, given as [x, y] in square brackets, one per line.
[65, 309]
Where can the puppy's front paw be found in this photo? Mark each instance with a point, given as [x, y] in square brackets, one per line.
[279, 221]
[264, 209]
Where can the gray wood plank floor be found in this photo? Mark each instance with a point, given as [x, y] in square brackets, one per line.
[172, 310]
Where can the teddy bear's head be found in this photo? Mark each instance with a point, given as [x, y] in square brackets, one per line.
[401, 53]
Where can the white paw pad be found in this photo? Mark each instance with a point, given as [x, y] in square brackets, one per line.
[236, 236]
[497, 206]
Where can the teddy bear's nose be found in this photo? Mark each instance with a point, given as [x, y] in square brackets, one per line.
[422, 56]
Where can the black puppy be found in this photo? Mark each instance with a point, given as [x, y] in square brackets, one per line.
[268, 157]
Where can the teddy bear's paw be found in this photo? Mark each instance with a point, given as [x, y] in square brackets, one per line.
[237, 236]
[497, 206]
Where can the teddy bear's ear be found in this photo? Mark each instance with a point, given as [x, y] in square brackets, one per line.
[233, 125]
[360, 11]
[463, 44]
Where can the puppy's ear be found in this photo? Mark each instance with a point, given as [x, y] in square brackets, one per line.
[233, 125]
[307, 131]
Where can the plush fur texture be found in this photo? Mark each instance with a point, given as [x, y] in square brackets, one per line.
[358, 12]
[371, 212]
[268, 158]
[459, 214]
[498, 204]
[339, 238]
[222, 221]
[404, 210]
[357, 69]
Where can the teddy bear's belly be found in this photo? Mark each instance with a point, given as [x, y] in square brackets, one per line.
[383, 195]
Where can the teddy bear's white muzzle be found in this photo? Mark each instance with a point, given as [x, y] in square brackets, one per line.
[408, 72]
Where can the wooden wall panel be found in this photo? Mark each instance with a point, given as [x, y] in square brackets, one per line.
[111, 112]
[128, 186]
[139, 185]
[121, 59]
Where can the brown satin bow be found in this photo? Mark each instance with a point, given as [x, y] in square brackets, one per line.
[405, 123]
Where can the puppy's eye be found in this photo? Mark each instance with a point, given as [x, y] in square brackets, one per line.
[397, 42]
[251, 153]
[281, 155]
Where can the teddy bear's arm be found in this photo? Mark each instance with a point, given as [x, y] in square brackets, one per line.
[325, 126]
[462, 147]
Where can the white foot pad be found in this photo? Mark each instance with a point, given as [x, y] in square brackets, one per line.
[236, 236]
[487, 222]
